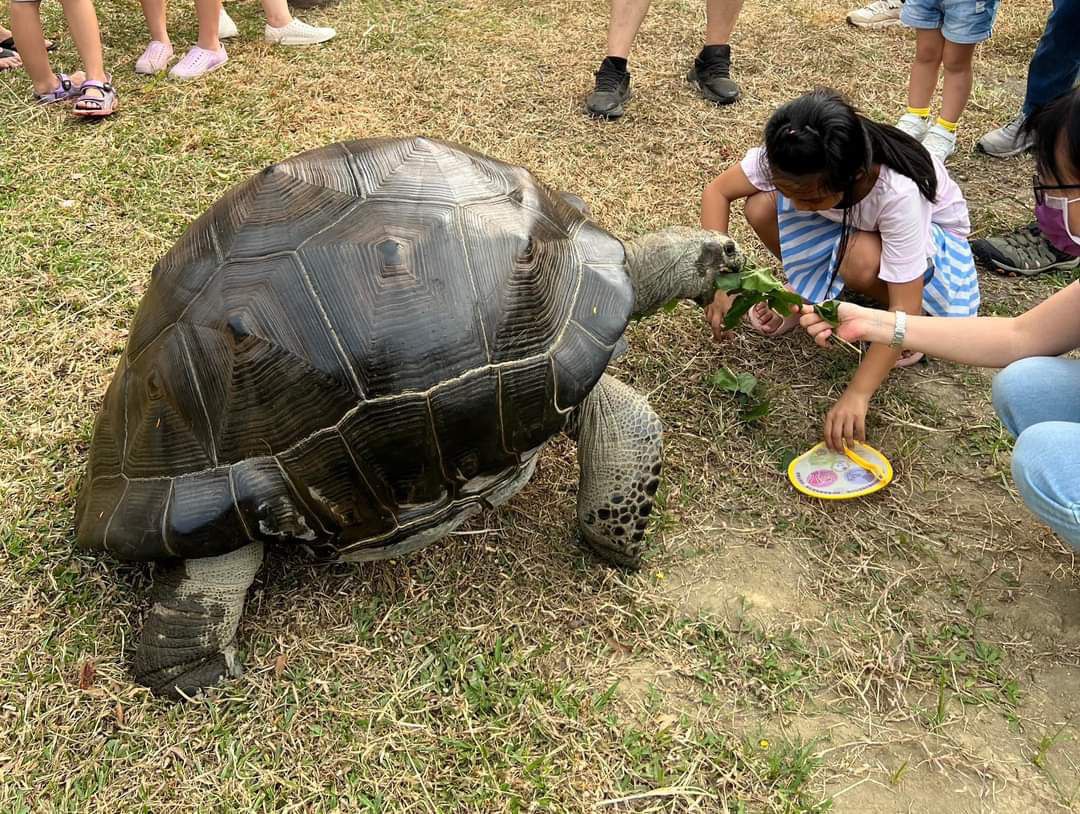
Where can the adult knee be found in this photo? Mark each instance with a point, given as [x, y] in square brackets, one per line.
[1012, 389]
[1040, 470]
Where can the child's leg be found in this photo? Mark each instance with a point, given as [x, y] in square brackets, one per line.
[26, 28]
[861, 264]
[155, 13]
[929, 45]
[209, 13]
[83, 24]
[956, 87]
[761, 215]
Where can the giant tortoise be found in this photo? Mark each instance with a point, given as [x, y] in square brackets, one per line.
[355, 350]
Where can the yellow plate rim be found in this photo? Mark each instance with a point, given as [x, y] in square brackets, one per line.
[876, 487]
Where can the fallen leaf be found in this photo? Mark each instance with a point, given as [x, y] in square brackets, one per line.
[618, 646]
[279, 665]
[86, 674]
[119, 713]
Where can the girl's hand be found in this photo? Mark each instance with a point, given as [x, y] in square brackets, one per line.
[715, 313]
[846, 421]
[856, 323]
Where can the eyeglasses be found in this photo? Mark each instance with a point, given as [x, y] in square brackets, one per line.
[1040, 190]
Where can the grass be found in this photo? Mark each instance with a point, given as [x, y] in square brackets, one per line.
[774, 655]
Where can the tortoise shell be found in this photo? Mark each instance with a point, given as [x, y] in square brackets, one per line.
[352, 347]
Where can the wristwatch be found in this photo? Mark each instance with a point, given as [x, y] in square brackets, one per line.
[899, 330]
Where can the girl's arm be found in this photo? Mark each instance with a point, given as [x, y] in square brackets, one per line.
[846, 421]
[1051, 328]
[729, 186]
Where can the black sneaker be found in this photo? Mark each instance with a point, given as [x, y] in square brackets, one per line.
[612, 91]
[711, 75]
[1023, 251]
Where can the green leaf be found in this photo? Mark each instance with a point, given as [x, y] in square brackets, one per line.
[757, 412]
[783, 301]
[742, 304]
[668, 307]
[829, 311]
[729, 282]
[747, 383]
[742, 384]
[759, 279]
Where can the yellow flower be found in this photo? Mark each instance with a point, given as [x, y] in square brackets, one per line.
[763, 743]
[661, 575]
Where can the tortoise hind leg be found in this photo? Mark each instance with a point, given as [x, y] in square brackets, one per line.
[620, 442]
[188, 639]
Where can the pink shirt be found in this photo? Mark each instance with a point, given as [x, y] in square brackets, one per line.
[896, 210]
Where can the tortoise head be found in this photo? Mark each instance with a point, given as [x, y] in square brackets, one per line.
[678, 263]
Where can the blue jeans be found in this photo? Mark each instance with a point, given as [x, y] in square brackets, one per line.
[1052, 71]
[1038, 401]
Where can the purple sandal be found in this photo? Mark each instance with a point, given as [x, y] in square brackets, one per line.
[65, 90]
[95, 106]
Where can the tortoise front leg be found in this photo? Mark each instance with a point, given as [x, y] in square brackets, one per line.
[620, 442]
[188, 639]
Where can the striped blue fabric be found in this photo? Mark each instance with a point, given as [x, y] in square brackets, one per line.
[808, 246]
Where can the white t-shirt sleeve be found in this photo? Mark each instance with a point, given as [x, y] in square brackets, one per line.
[756, 167]
[904, 226]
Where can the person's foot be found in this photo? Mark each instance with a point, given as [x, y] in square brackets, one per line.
[1008, 140]
[766, 321]
[914, 125]
[198, 62]
[9, 60]
[611, 93]
[711, 75]
[297, 32]
[226, 27]
[154, 59]
[879, 14]
[940, 142]
[1023, 251]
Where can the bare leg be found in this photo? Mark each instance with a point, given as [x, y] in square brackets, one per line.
[277, 13]
[83, 25]
[929, 45]
[208, 12]
[188, 639]
[626, 18]
[956, 86]
[861, 264]
[760, 212]
[720, 17]
[154, 12]
[26, 28]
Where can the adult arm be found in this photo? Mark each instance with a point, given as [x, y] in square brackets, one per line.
[1051, 328]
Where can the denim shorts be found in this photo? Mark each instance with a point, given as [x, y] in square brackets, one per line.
[964, 22]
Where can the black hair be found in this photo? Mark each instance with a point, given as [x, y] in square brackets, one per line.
[822, 134]
[1053, 125]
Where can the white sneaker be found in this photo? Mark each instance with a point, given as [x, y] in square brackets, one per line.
[297, 32]
[879, 14]
[226, 27]
[940, 142]
[915, 126]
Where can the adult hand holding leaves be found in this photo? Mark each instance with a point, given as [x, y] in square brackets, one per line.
[845, 321]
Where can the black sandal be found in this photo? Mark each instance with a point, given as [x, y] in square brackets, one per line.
[9, 45]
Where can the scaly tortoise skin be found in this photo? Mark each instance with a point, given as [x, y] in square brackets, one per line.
[353, 351]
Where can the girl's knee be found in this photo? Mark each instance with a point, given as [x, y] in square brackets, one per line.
[862, 260]
[956, 62]
[928, 51]
[761, 210]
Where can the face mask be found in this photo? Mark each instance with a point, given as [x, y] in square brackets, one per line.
[1052, 214]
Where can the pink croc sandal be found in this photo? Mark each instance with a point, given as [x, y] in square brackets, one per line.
[100, 102]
